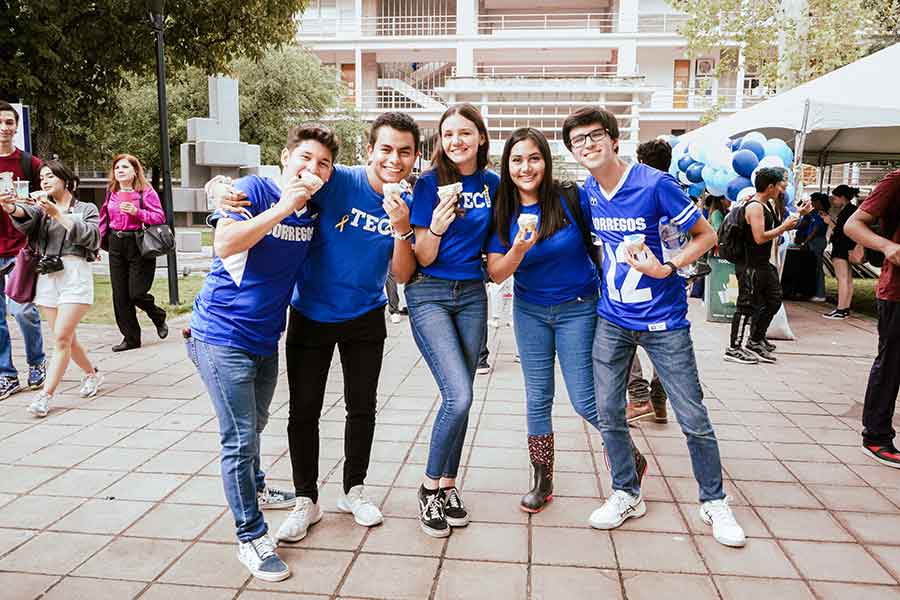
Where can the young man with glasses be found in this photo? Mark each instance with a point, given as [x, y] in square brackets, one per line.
[643, 303]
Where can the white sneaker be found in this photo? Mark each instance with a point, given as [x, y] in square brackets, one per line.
[725, 527]
[306, 513]
[364, 510]
[617, 508]
[90, 385]
[259, 557]
[818, 299]
[40, 406]
[395, 318]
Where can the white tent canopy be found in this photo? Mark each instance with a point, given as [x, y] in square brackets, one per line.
[854, 113]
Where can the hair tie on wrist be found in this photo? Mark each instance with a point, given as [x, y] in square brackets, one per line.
[433, 233]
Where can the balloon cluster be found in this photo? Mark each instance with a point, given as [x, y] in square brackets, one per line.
[728, 167]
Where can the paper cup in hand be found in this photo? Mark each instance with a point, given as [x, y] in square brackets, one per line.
[449, 191]
[312, 182]
[395, 188]
[528, 222]
[634, 243]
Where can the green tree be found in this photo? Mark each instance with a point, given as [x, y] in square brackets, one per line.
[68, 60]
[284, 87]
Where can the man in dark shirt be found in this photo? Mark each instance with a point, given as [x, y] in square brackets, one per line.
[759, 289]
[884, 379]
[24, 167]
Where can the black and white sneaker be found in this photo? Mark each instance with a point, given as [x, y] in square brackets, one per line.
[761, 352]
[769, 345]
[838, 314]
[739, 355]
[431, 513]
[454, 509]
[9, 386]
[274, 498]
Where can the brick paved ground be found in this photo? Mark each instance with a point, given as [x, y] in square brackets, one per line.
[118, 496]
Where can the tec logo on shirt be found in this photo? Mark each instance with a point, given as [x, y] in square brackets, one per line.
[363, 220]
[480, 199]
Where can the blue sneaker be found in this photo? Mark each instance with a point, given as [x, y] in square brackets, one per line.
[37, 374]
[8, 386]
[260, 559]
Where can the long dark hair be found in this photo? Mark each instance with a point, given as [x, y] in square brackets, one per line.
[715, 204]
[446, 169]
[507, 203]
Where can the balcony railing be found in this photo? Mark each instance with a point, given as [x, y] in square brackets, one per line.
[411, 26]
[576, 71]
[492, 24]
[661, 23]
[702, 98]
[385, 99]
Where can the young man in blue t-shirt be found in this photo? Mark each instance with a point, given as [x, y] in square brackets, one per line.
[643, 303]
[339, 302]
[238, 318]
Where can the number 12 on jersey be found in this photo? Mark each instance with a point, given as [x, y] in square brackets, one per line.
[629, 293]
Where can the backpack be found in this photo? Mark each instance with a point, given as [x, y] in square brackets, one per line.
[25, 165]
[732, 235]
[573, 199]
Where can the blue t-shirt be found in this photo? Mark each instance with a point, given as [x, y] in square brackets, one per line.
[459, 255]
[555, 270]
[812, 221]
[630, 299]
[243, 303]
[347, 266]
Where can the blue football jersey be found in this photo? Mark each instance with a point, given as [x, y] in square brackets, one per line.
[629, 298]
[243, 303]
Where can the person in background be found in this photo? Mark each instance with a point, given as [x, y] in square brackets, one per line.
[811, 233]
[67, 235]
[884, 379]
[718, 208]
[130, 204]
[22, 166]
[843, 249]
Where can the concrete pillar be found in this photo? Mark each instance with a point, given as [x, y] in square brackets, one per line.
[465, 60]
[739, 81]
[626, 64]
[357, 17]
[358, 77]
[466, 17]
[628, 16]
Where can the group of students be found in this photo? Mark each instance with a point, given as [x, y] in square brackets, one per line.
[65, 234]
[321, 238]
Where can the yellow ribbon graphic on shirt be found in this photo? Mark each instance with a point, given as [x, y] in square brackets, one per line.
[342, 222]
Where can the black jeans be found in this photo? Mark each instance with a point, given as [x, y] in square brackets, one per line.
[310, 347]
[884, 378]
[131, 276]
[759, 298]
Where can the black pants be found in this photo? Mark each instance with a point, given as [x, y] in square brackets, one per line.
[310, 346]
[131, 276]
[884, 378]
[759, 298]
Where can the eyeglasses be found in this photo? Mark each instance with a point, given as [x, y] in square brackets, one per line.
[597, 135]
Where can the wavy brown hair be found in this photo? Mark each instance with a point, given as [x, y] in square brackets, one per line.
[140, 182]
[445, 168]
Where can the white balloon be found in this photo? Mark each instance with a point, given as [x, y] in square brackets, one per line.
[718, 156]
[755, 135]
[746, 193]
[771, 161]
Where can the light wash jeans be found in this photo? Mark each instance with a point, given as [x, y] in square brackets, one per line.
[241, 386]
[29, 320]
[672, 353]
[448, 323]
[544, 332]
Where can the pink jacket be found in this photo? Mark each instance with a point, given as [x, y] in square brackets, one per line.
[149, 212]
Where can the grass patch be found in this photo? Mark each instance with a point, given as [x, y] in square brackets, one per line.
[102, 310]
[863, 295]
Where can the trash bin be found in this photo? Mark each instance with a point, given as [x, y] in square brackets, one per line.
[720, 295]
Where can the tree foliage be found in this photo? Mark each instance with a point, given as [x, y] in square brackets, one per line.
[284, 87]
[69, 60]
[789, 42]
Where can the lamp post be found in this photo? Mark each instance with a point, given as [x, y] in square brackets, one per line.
[157, 22]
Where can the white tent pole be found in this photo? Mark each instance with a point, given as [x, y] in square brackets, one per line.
[799, 143]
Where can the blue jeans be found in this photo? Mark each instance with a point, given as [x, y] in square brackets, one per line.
[672, 353]
[817, 247]
[542, 333]
[448, 323]
[241, 386]
[29, 320]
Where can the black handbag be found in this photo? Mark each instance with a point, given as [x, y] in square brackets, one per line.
[154, 240]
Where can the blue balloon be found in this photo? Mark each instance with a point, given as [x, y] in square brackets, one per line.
[743, 162]
[685, 162]
[696, 189]
[695, 172]
[777, 147]
[735, 186]
[708, 173]
[673, 141]
[755, 147]
[736, 143]
[789, 194]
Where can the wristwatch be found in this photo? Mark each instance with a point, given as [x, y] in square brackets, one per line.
[402, 236]
[672, 266]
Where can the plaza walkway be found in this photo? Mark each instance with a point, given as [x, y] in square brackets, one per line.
[119, 497]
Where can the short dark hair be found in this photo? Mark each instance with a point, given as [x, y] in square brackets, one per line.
[587, 115]
[4, 106]
[313, 131]
[63, 172]
[768, 176]
[398, 121]
[822, 199]
[655, 153]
